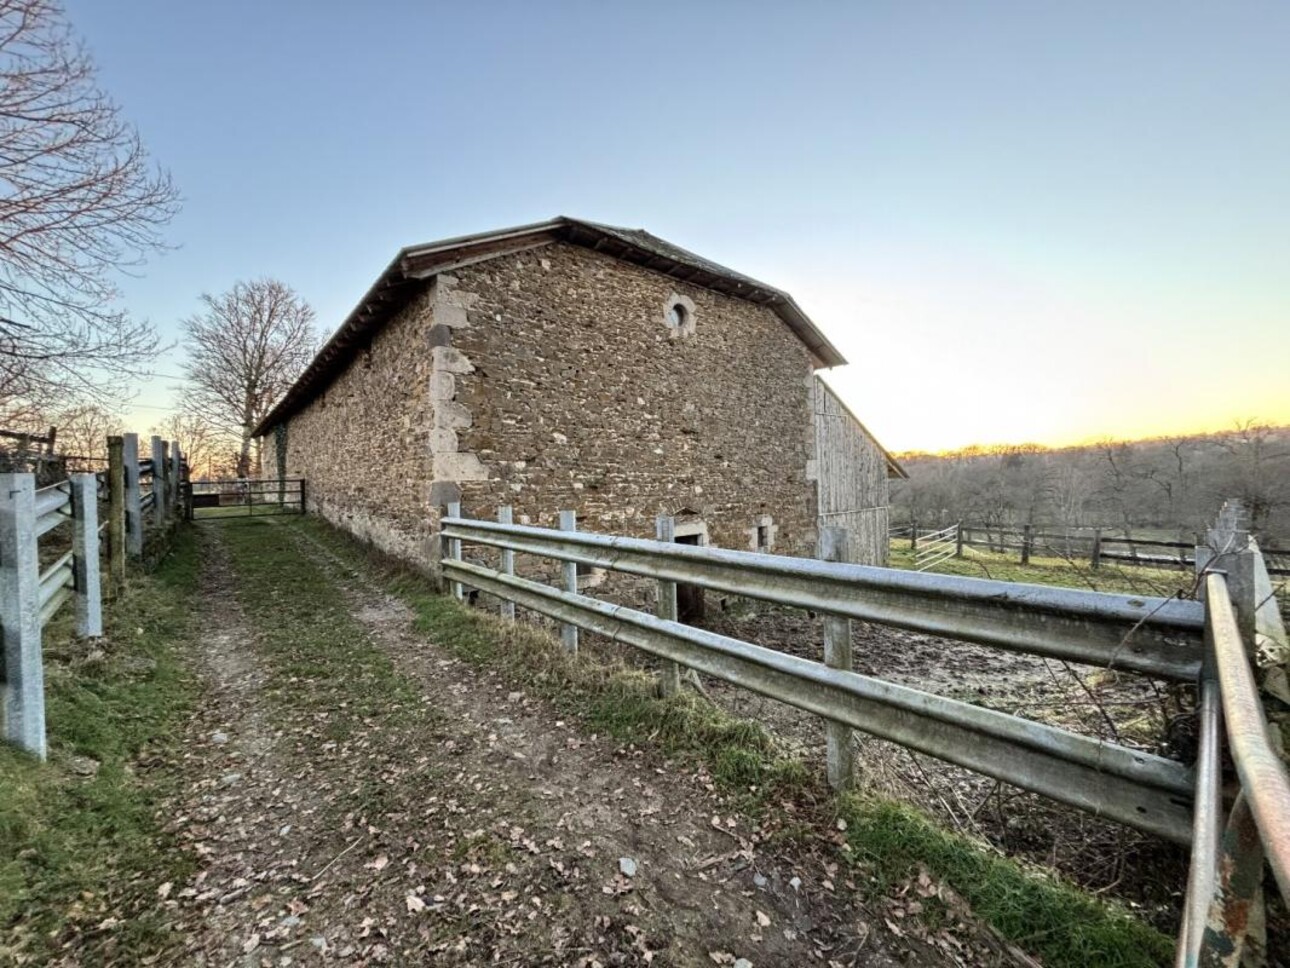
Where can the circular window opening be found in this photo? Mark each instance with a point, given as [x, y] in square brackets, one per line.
[677, 315]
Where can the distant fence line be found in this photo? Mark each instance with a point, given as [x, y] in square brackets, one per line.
[1095, 547]
[133, 491]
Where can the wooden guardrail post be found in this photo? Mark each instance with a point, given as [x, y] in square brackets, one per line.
[133, 497]
[569, 632]
[164, 496]
[116, 513]
[840, 739]
[85, 555]
[454, 550]
[505, 515]
[158, 482]
[24, 677]
[670, 680]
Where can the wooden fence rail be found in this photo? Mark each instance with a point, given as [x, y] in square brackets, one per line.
[1095, 547]
[30, 596]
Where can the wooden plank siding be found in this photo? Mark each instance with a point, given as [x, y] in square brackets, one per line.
[852, 478]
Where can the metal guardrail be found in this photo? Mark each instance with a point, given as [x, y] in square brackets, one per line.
[1224, 883]
[1144, 791]
[1185, 640]
[1141, 790]
[1156, 636]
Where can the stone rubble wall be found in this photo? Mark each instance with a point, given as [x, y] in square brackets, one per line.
[363, 445]
[573, 392]
[555, 378]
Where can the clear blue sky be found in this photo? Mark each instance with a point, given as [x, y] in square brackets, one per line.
[1020, 221]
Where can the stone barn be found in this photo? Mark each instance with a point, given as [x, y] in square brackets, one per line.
[573, 365]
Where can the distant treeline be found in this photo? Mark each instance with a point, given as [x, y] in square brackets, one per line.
[1169, 484]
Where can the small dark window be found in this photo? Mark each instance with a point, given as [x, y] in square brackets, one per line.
[676, 316]
[585, 569]
[763, 537]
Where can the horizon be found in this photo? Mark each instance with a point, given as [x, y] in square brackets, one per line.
[1018, 224]
[999, 445]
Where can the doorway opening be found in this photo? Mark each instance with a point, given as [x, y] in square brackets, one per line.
[689, 598]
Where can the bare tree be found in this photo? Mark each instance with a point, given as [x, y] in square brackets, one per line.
[209, 451]
[1256, 471]
[81, 201]
[82, 435]
[244, 351]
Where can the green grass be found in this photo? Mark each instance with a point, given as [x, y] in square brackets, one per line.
[886, 841]
[977, 563]
[320, 656]
[1034, 909]
[75, 850]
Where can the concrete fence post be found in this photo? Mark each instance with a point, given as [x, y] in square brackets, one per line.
[837, 655]
[454, 550]
[504, 516]
[24, 677]
[85, 555]
[568, 632]
[158, 482]
[670, 680]
[116, 513]
[133, 497]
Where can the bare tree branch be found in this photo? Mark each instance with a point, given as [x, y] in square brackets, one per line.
[244, 351]
[80, 201]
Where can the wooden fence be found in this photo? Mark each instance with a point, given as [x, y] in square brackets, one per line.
[1095, 546]
[135, 492]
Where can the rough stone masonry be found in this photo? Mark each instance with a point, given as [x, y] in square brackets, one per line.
[560, 377]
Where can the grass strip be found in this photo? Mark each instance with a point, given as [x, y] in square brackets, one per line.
[319, 656]
[81, 846]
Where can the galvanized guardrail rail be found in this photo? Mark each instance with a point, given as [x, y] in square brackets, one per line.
[31, 596]
[1167, 638]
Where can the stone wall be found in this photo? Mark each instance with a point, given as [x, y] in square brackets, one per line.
[575, 390]
[560, 378]
[363, 445]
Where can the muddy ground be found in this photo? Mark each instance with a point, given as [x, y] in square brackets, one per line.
[1146, 872]
[478, 827]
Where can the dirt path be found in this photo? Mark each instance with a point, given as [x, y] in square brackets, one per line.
[470, 826]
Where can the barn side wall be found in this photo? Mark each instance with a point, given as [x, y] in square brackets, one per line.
[574, 393]
[363, 445]
[550, 379]
[854, 491]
